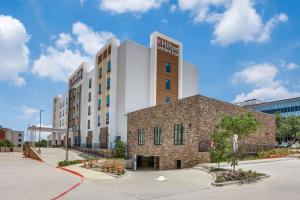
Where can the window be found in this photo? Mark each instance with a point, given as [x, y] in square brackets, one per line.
[168, 100]
[89, 124]
[141, 136]
[99, 104]
[168, 67]
[108, 83]
[99, 89]
[90, 83]
[108, 66]
[100, 73]
[20, 135]
[157, 136]
[89, 110]
[178, 134]
[99, 121]
[168, 84]
[90, 96]
[107, 118]
[19, 140]
[107, 100]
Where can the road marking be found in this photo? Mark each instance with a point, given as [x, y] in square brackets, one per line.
[161, 178]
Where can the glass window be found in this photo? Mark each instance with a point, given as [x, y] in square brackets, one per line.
[107, 100]
[168, 100]
[90, 83]
[89, 124]
[89, 110]
[99, 121]
[168, 84]
[99, 104]
[107, 118]
[168, 67]
[157, 136]
[141, 136]
[100, 73]
[178, 134]
[108, 83]
[90, 96]
[108, 66]
[99, 88]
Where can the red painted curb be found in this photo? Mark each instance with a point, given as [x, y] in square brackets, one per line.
[71, 188]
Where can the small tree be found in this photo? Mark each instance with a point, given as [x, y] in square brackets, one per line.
[242, 126]
[120, 149]
[221, 146]
[6, 143]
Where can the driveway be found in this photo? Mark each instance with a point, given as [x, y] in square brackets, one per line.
[190, 184]
[27, 179]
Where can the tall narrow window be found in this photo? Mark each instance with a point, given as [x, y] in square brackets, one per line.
[100, 73]
[141, 136]
[99, 104]
[108, 83]
[99, 89]
[108, 66]
[107, 100]
[89, 124]
[157, 136]
[90, 96]
[99, 120]
[89, 110]
[107, 118]
[168, 84]
[168, 67]
[90, 83]
[178, 134]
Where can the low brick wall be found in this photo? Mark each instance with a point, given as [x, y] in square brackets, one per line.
[30, 152]
[199, 116]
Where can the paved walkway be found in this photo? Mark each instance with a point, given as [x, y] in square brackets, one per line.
[27, 179]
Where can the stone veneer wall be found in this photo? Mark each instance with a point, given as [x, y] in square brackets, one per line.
[199, 116]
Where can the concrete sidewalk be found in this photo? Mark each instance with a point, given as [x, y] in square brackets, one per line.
[27, 179]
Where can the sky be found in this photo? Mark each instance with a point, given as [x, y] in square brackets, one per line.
[244, 49]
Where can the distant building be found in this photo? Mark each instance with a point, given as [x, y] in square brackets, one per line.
[16, 137]
[286, 107]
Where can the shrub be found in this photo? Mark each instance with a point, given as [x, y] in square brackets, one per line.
[65, 163]
[120, 149]
[6, 143]
[274, 153]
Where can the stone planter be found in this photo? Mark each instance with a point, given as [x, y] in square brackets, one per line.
[2, 149]
[17, 149]
[7, 149]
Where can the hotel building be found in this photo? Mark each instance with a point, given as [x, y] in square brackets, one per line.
[15, 137]
[127, 77]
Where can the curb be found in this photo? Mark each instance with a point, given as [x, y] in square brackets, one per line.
[71, 188]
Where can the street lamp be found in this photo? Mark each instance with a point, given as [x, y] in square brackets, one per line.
[39, 151]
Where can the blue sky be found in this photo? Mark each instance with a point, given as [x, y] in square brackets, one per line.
[243, 48]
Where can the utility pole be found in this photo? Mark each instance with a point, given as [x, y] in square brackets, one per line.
[67, 142]
[39, 151]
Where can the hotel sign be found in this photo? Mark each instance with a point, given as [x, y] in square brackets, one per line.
[167, 46]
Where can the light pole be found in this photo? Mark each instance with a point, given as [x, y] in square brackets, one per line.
[39, 151]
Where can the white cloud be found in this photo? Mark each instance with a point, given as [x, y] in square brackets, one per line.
[14, 52]
[262, 79]
[63, 41]
[90, 40]
[57, 64]
[233, 20]
[292, 66]
[124, 6]
[257, 74]
[267, 94]
[29, 112]
[173, 8]
[81, 2]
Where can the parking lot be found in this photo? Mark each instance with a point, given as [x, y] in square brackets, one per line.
[34, 180]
